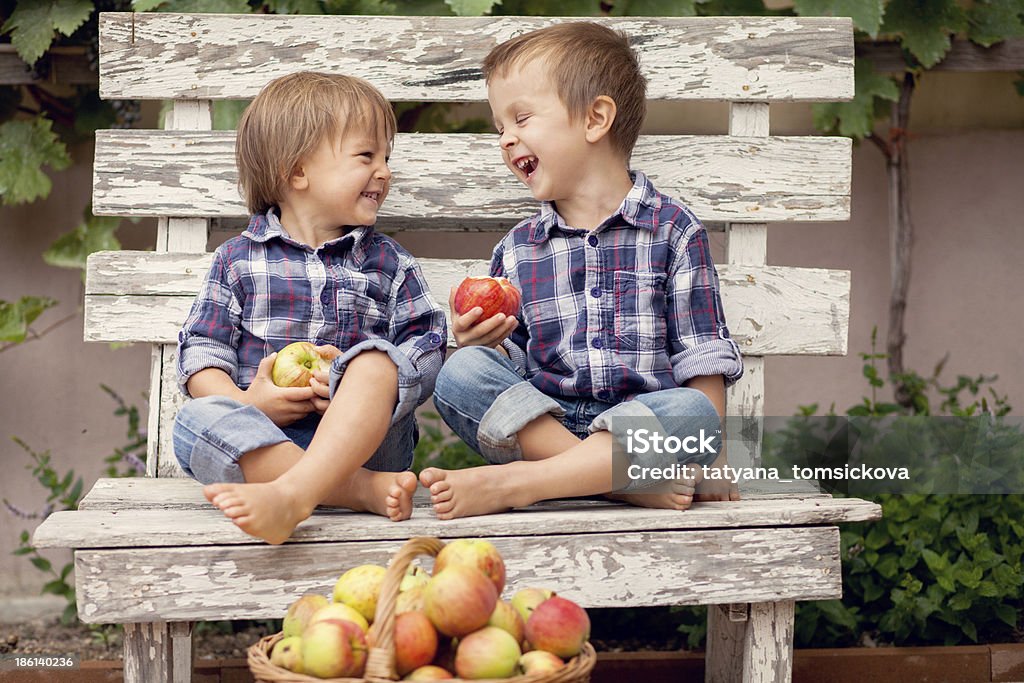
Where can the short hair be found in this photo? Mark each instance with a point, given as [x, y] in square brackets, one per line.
[585, 60]
[290, 117]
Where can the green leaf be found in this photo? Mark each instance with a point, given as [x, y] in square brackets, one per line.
[70, 613]
[856, 119]
[23, 551]
[55, 587]
[866, 14]
[41, 563]
[993, 21]
[26, 145]
[655, 8]
[95, 233]
[293, 7]
[732, 8]
[15, 318]
[146, 5]
[552, 8]
[470, 8]
[32, 24]
[1007, 614]
[970, 630]
[925, 26]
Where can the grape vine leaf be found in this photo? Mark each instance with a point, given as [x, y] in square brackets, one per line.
[26, 145]
[32, 25]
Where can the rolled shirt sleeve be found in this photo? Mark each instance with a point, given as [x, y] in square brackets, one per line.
[418, 334]
[209, 338]
[698, 338]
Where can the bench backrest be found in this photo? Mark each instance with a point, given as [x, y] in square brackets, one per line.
[185, 174]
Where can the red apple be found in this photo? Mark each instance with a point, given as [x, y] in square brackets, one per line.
[507, 618]
[415, 642]
[487, 653]
[429, 673]
[295, 364]
[341, 612]
[459, 600]
[333, 649]
[473, 553]
[493, 295]
[558, 626]
[539, 662]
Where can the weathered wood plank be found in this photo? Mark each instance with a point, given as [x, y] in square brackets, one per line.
[600, 570]
[772, 310]
[148, 652]
[768, 643]
[723, 656]
[174, 173]
[147, 493]
[207, 56]
[197, 527]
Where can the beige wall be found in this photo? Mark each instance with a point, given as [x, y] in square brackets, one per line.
[966, 181]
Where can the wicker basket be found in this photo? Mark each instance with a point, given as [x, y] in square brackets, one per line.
[380, 663]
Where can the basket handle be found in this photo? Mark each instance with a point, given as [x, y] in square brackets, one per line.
[380, 663]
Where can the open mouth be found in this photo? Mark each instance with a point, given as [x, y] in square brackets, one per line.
[527, 165]
[375, 196]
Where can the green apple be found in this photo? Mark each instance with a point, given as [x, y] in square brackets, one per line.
[295, 364]
[360, 587]
[300, 612]
[287, 654]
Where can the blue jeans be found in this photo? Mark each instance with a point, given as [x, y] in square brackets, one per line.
[486, 402]
[212, 433]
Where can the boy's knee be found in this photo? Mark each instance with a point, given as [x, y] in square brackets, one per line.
[464, 368]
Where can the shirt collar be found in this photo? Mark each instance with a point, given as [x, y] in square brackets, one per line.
[266, 226]
[639, 208]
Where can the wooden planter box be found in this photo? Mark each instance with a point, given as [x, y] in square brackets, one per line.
[966, 664]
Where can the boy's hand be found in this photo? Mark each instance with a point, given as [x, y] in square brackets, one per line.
[321, 379]
[283, 405]
[468, 330]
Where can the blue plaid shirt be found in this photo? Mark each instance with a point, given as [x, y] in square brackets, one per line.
[628, 308]
[357, 292]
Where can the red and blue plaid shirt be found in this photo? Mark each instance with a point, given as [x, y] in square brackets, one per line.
[627, 308]
[359, 291]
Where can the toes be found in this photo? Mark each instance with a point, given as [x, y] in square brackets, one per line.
[444, 495]
[431, 475]
[212, 490]
[440, 488]
[407, 482]
[444, 507]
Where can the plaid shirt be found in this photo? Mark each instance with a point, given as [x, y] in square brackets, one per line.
[628, 308]
[357, 292]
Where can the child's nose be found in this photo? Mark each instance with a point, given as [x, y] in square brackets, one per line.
[507, 140]
[384, 172]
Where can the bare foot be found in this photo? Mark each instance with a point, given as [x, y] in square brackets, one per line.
[269, 511]
[398, 502]
[680, 497]
[473, 491]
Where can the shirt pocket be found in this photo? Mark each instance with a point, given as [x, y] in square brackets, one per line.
[640, 310]
[361, 316]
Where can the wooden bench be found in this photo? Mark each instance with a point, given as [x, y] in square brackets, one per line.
[152, 554]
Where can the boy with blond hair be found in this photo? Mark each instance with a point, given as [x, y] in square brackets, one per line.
[621, 319]
[312, 154]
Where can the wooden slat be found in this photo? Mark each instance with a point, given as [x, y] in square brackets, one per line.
[175, 173]
[601, 570]
[165, 56]
[772, 310]
[148, 493]
[208, 526]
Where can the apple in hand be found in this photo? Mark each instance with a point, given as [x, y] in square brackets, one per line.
[492, 294]
[295, 364]
[558, 626]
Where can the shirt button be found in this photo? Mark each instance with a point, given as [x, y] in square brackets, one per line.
[325, 297]
[596, 292]
[604, 394]
[598, 344]
[435, 338]
[592, 240]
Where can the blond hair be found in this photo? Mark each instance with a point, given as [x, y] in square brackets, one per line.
[584, 61]
[290, 117]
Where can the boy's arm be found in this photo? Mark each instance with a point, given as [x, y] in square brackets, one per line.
[417, 343]
[210, 335]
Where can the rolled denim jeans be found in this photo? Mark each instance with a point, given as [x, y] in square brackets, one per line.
[212, 433]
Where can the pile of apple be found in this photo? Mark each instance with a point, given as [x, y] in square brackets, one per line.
[453, 623]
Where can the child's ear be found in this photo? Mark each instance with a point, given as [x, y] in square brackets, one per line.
[600, 117]
[298, 180]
